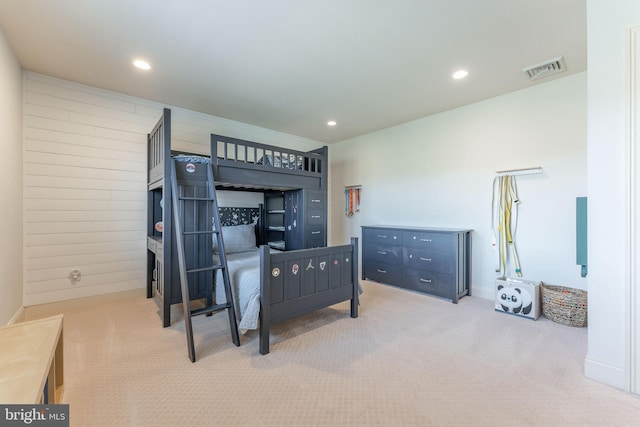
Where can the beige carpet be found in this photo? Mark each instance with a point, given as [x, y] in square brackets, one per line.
[408, 360]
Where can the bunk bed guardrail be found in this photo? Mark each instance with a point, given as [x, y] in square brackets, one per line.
[158, 149]
[247, 163]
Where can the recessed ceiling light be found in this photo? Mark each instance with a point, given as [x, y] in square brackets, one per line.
[460, 74]
[331, 123]
[143, 65]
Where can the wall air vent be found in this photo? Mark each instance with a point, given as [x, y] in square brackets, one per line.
[546, 68]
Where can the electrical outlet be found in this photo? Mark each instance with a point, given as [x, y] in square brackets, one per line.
[75, 274]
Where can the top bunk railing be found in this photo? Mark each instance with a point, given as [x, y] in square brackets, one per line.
[267, 156]
[156, 142]
[228, 153]
[158, 148]
[242, 164]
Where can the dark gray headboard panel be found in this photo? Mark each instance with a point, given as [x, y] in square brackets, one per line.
[238, 216]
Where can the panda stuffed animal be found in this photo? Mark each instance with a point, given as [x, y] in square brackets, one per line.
[514, 300]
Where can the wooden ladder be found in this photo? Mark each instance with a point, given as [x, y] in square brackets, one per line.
[192, 171]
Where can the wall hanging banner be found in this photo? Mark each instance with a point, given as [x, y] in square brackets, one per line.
[352, 200]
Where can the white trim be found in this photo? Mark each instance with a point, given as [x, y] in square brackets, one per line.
[633, 337]
[23, 266]
[605, 373]
[484, 293]
[73, 293]
[17, 318]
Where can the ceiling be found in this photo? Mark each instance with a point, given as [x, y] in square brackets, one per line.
[292, 65]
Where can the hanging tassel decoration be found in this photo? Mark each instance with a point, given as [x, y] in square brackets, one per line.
[352, 200]
[504, 219]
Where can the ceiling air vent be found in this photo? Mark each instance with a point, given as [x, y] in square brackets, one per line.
[545, 69]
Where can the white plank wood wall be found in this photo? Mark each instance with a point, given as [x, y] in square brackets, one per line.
[85, 183]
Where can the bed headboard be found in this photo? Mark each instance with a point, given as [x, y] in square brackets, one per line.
[238, 216]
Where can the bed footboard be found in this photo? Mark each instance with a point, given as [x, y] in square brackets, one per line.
[298, 282]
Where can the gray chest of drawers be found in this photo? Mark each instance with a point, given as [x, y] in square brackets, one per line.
[434, 261]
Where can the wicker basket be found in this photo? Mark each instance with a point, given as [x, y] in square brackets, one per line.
[567, 306]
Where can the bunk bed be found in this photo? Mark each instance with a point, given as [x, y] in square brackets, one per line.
[292, 282]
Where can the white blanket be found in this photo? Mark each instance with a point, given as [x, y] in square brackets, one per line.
[244, 275]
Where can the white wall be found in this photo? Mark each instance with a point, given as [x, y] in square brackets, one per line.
[438, 172]
[85, 183]
[610, 179]
[10, 184]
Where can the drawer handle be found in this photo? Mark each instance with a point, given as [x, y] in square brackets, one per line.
[425, 280]
[381, 236]
[315, 232]
[315, 200]
[425, 259]
[315, 216]
[426, 240]
[382, 271]
[382, 252]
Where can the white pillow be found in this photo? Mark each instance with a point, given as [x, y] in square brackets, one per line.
[237, 238]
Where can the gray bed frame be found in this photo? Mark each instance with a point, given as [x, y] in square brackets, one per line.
[297, 282]
[292, 283]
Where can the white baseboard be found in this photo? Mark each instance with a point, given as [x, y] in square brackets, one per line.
[485, 293]
[18, 317]
[81, 292]
[605, 374]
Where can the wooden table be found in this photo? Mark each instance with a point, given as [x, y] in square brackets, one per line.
[30, 354]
